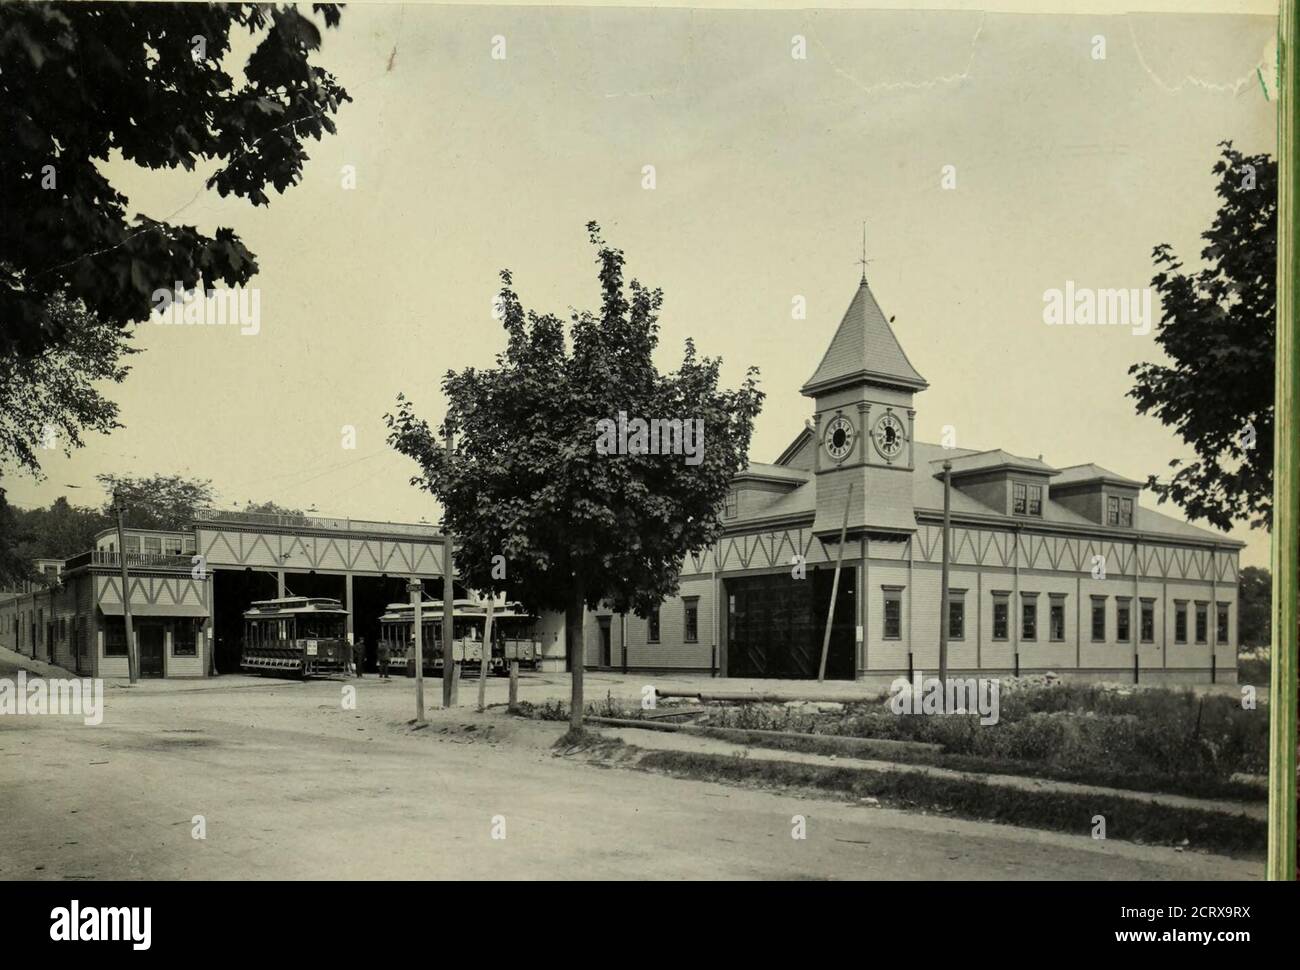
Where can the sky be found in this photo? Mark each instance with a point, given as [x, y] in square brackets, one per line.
[1067, 168]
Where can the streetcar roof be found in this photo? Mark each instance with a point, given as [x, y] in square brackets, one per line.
[294, 606]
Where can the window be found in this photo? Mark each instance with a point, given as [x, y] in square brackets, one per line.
[185, 638]
[956, 614]
[1026, 499]
[729, 505]
[114, 636]
[1057, 617]
[692, 618]
[893, 613]
[1029, 616]
[1221, 627]
[172, 545]
[1001, 611]
[652, 636]
[1180, 621]
[152, 545]
[1123, 615]
[1098, 619]
[188, 544]
[1148, 621]
[132, 544]
[1112, 510]
[1126, 513]
[1202, 622]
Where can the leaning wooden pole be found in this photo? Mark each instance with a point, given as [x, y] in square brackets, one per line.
[835, 586]
[448, 607]
[944, 611]
[132, 656]
[1286, 482]
[485, 657]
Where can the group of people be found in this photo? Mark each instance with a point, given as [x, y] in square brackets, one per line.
[359, 658]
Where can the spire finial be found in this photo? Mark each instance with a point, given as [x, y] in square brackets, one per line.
[864, 259]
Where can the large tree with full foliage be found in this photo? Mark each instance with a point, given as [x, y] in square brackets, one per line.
[527, 483]
[83, 83]
[1218, 329]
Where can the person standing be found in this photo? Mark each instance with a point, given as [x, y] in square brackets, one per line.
[383, 659]
[358, 656]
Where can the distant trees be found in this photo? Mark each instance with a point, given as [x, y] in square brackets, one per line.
[534, 503]
[1218, 330]
[1254, 607]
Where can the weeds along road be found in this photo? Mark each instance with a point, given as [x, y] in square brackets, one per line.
[292, 785]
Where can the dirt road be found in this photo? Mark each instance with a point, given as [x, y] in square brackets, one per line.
[291, 783]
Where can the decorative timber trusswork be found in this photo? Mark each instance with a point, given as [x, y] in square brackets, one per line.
[226, 547]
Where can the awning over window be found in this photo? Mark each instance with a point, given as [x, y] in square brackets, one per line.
[156, 609]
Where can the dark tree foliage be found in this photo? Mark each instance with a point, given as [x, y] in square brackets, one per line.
[14, 566]
[1218, 330]
[575, 527]
[1254, 607]
[59, 531]
[83, 82]
[48, 400]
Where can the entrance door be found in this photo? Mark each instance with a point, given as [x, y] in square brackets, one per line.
[776, 624]
[151, 650]
[606, 652]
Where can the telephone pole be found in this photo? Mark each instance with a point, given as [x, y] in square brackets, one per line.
[944, 612]
[448, 598]
[132, 662]
[416, 588]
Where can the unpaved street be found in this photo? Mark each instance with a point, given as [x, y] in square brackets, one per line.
[292, 785]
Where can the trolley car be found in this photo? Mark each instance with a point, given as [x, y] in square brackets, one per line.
[512, 636]
[296, 635]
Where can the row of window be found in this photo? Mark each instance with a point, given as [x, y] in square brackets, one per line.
[1026, 499]
[185, 637]
[893, 614]
[1119, 511]
[156, 545]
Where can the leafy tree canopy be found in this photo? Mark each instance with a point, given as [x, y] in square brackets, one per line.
[526, 481]
[1218, 330]
[82, 82]
[49, 399]
[1254, 606]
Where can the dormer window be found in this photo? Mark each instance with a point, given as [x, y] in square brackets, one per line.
[1026, 499]
[729, 504]
[1119, 511]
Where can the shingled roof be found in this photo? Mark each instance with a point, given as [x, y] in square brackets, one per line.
[864, 347]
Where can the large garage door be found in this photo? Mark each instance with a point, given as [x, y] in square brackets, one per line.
[775, 625]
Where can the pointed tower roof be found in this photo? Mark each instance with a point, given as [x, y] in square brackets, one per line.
[864, 348]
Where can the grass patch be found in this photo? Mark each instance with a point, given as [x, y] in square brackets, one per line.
[1126, 819]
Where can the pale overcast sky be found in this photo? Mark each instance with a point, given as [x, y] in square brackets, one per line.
[1067, 168]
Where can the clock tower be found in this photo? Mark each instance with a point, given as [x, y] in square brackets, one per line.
[864, 424]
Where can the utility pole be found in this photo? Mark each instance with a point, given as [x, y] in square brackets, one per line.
[132, 661]
[835, 587]
[448, 608]
[943, 582]
[486, 655]
[416, 589]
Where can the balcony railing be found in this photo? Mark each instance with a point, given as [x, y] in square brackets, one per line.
[282, 521]
[134, 560]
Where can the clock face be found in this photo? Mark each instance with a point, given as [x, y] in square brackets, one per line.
[888, 436]
[839, 437]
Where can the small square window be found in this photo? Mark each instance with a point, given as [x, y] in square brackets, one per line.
[1112, 510]
[1221, 625]
[1029, 618]
[1123, 620]
[1001, 615]
[652, 634]
[1126, 513]
[1202, 622]
[1019, 498]
[1148, 621]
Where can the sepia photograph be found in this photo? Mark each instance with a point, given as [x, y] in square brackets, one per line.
[609, 441]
